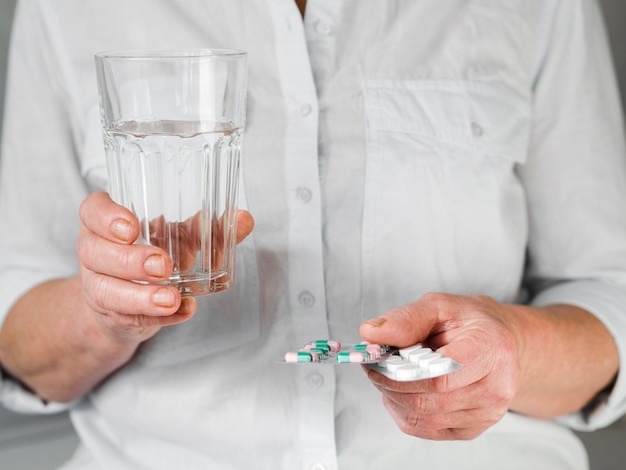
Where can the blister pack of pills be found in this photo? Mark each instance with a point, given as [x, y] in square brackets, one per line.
[416, 362]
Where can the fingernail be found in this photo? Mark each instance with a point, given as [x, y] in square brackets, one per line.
[186, 306]
[376, 322]
[121, 229]
[154, 266]
[163, 297]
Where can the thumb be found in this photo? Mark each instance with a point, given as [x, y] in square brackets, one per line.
[245, 224]
[400, 327]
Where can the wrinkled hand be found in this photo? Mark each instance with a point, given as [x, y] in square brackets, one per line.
[475, 332]
[110, 263]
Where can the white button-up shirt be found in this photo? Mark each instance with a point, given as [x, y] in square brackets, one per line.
[392, 148]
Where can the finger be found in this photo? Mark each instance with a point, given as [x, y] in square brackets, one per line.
[107, 219]
[107, 294]
[408, 324]
[458, 425]
[474, 367]
[477, 406]
[433, 313]
[477, 395]
[481, 358]
[142, 327]
[130, 262]
[245, 225]
[478, 367]
[441, 384]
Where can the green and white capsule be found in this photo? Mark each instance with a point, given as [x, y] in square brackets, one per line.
[318, 346]
[351, 356]
[373, 350]
[298, 356]
[331, 344]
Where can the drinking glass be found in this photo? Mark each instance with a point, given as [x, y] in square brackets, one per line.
[173, 125]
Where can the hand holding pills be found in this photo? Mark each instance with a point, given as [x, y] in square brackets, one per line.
[472, 331]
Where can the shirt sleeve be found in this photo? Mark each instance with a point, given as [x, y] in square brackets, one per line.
[40, 182]
[575, 180]
[14, 397]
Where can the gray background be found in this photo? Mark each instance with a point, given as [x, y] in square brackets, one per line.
[43, 442]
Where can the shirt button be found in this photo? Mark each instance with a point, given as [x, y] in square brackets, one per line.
[318, 466]
[477, 129]
[306, 299]
[315, 381]
[305, 109]
[323, 29]
[304, 194]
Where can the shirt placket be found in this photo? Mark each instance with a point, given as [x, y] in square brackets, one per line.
[315, 437]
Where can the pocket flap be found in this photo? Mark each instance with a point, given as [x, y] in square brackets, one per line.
[485, 117]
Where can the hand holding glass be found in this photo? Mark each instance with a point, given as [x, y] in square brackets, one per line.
[173, 125]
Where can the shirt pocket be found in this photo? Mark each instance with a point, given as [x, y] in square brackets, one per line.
[443, 207]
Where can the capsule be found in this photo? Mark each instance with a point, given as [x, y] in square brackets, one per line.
[319, 351]
[351, 356]
[298, 356]
[318, 345]
[315, 355]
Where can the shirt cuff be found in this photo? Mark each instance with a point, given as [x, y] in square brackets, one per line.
[16, 398]
[14, 282]
[606, 302]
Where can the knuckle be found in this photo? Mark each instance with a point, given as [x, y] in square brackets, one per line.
[84, 249]
[507, 385]
[122, 258]
[136, 321]
[99, 290]
[435, 297]
[483, 299]
[88, 206]
[419, 425]
[82, 209]
[466, 434]
[507, 392]
[410, 427]
[421, 404]
[404, 312]
[495, 416]
[441, 384]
